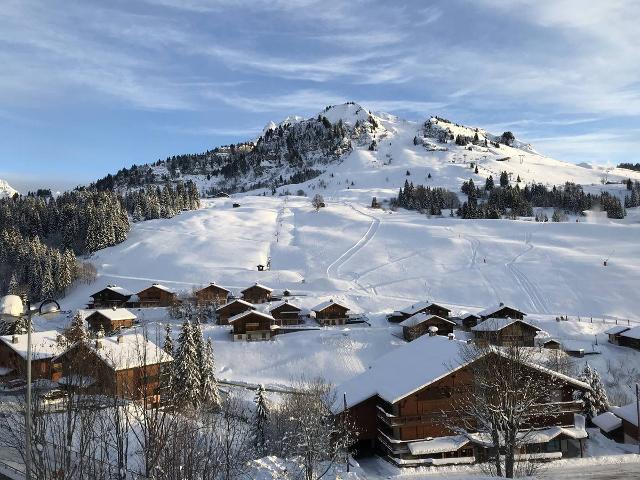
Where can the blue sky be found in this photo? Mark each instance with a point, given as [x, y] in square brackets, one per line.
[88, 87]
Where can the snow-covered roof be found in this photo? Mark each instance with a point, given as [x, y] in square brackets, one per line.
[421, 317]
[43, 344]
[324, 305]
[259, 285]
[469, 315]
[249, 312]
[159, 287]
[422, 362]
[284, 302]
[128, 351]
[628, 413]
[116, 289]
[416, 307]
[497, 324]
[607, 421]
[237, 300]
[632, 333]
[579, 345]
[115, 314]
[616, 330]
[213, 284]
[438, 445]
[487, 312]
[530, 437]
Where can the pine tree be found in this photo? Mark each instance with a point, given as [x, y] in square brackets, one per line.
[210, 394]
[76, 332]
[260, 420]
[186, 388]
[595, 400]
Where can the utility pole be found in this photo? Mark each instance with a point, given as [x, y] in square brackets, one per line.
[638, 414]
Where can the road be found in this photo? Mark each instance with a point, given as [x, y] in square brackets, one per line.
[618, 471]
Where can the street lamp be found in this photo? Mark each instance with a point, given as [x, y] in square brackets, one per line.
[12, 306]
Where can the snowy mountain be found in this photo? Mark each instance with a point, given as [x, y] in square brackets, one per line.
[371, 150]
[6, 190]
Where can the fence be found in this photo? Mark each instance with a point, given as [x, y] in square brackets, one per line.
[604, 320]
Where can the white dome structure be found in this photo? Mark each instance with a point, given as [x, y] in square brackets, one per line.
[11, 305]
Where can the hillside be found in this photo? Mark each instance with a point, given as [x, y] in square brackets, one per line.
[346, 144]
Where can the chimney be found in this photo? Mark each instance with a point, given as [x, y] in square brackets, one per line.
[114, 308]
[451, 336]
[14, 339]
[501, 304]
[99, 343]
[120, 339]
[433, 331]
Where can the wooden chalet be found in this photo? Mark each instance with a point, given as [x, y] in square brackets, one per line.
[551, 344]
[424, 323]
[110, 296]
[502, 311]
[127, 366]
[157, 295]
[257, 293]
[420, 307]
[505, 332]
[630, 338]
[253, 325]
[399, 406]
[212, 294]
[331, 313]
[231, 309]
[469, 320]
[614, 333]
[629, 416]
[610, 425]
[110, 319]
[286, 313]
[13, 354]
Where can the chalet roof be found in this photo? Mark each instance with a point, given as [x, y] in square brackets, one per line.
[237, 300]
[114, 314]
[632, 333]
[43, 344]
[422, 317]
[283, 303]
[416, 307]
[607, 421]
[215, 285]
[257, 285]
[324, 305]
[497, 324]
[249, 312]
[131, 351]
[579, 345]
[159, 287]
[489, 311]
[616, 330]
[469, 315]
[628, 413]
[115, 289]
[422, 362]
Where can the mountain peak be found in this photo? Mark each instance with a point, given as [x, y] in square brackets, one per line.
[349, 113]
[6, 190]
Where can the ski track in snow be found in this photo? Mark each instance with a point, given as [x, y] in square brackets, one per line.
[333, 270]
[536, 299]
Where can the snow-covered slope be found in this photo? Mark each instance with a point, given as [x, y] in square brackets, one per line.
[6, 190]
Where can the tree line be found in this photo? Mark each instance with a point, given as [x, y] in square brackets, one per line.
[41, 234]
[430, 200]
[632, 199]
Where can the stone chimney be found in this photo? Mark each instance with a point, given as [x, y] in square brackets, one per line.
[120, 339]
[99, 342]
[451, 336]
[433, 331]
[14, 339]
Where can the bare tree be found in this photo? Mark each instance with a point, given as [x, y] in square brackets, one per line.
[313, 434]
[507, 396]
